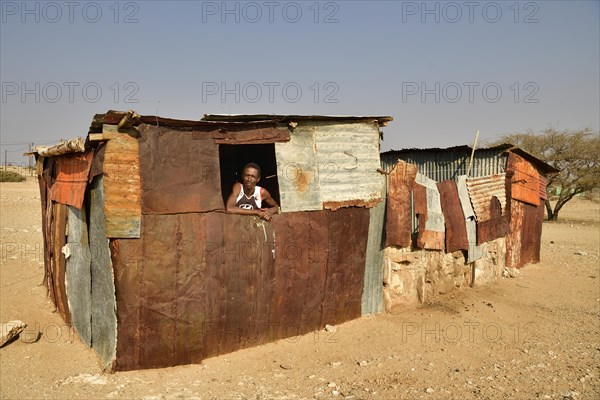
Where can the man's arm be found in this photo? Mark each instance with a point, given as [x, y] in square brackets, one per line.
[270, 201]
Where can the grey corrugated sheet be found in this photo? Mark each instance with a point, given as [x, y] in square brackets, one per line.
[435, 217]
[78, 275]
[318, 165]
[348, 159]
[475, 252]
[372, 298]
[443, 164]
[297, 171]
[104, 304]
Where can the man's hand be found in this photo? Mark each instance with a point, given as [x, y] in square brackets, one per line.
[267, 213]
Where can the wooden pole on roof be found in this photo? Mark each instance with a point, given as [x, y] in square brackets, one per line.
[473, 153]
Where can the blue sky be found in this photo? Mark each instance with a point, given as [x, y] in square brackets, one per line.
[442, 69]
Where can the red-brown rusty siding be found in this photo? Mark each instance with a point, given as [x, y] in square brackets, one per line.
[398, 219]
[526, 180]
[533, 218]
[456, 229]
[58, 262]
[71, 178]
[543, 185]
[523, 241]
[426, 239]
[513, 238]
[197, 285]
[179, 171]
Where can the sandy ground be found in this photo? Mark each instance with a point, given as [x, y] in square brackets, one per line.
[534, 336]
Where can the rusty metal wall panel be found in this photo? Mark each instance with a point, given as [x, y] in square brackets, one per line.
[372, 299]
[348, 233]
[301, 253]
[482, 189]
[398, 220]
[258, 135]
[531, 233]
[497, 216]
[129, 290]
[197, 285]
[543, 186]
[179, 171]
[121, 168]
[58, 262]
[347, 160]
[493, 227]
[513, 238]
[297, 172]
[71, 178]
[456, 231]
[526, 180]
[104, 317]
[78, 274]
[474, 252]
[45, 183]
[426, 238]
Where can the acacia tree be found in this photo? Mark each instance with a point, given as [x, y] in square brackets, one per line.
[575, 153]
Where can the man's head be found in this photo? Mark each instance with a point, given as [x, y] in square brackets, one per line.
[250, 176]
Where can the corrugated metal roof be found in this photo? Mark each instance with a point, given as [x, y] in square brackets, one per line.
[482, 189]
[447, 163]
[382, 120]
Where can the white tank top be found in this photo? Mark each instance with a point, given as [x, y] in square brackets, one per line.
[253, 202]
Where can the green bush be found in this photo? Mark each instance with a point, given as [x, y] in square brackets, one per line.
[10, 176]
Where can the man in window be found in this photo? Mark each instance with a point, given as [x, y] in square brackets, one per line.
[247, 198]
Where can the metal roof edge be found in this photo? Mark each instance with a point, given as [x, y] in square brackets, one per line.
[381, 120]
[505, 147]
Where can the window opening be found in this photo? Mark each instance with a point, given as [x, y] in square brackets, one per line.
[233, 157]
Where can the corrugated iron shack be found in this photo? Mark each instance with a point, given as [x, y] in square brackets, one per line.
[142, 260]
[448, 225]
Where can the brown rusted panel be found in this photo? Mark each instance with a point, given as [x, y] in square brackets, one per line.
[398, 218]
[129, 290]
[543, 185]
[526, 180]
[45, 182]
[71, 178]
[300, 272]
[456, 229]
[513, 238]
[59, 237]
[257, 135]
[336, 205]
[495, 224]
[179, 171]
[121, 168]
[533, 217]
[426, 239]
[348, 233]
[213, 260]
[197, 285]
[97, 161]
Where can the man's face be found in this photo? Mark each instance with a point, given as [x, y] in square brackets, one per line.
[250, 178]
